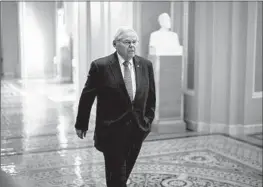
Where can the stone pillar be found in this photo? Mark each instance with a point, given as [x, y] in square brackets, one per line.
[1, 57]
[237, 67]
[203, 62]
[220, 75]
[253, 103]
[82, 38]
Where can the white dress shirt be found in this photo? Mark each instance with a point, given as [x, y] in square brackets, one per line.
[131, 67]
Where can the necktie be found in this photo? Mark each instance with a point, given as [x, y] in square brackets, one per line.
[128, 79]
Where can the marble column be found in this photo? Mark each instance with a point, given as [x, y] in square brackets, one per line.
[82, 46]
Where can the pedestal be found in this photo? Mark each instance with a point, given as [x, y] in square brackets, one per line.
[169, 94]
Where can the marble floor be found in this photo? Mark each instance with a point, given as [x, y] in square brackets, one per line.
[39, 148]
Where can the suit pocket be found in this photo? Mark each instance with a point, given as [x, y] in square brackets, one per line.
[147, 123]
[141, 120]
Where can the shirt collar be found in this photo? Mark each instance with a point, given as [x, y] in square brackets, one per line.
[121, 60]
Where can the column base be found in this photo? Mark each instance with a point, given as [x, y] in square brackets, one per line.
[169, 126]
[236, 129]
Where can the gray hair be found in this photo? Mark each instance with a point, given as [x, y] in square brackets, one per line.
[121, 31]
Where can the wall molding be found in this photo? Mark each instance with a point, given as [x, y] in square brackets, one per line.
[169, 125]
[232, 129]
[257, 95]
[137, 13]
[186, 90]
[254, 93]
[172, 15]
[253, 128]
[9, 75]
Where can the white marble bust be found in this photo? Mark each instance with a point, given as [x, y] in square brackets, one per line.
[164, 42]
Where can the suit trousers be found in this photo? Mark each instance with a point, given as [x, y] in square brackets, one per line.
[120, 162]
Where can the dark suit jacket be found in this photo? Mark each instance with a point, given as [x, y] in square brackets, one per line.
[114, 108]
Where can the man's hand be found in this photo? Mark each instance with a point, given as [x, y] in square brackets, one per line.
[81, 134]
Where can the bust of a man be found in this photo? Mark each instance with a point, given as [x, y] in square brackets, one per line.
[164, 42]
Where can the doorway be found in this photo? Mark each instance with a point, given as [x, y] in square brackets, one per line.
[37, 39]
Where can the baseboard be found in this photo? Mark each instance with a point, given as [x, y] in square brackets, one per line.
[253, 128]
[8, 75]
[169, 126]
[234, 129]
[237, 129]
[197, 126]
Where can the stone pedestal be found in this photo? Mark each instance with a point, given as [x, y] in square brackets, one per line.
[169, 94]
[65, 65]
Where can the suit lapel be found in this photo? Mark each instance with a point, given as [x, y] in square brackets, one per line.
[116, 71]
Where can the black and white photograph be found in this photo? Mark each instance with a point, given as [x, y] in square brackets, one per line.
[131, 93]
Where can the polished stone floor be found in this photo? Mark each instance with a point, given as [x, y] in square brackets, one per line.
[40, 149]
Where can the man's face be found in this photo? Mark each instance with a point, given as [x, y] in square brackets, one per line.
[126, 45]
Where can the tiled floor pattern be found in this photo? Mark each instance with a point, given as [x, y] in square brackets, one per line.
[212, 160]
[40, 149]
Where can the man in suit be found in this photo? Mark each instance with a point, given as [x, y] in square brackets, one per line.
[124, 86]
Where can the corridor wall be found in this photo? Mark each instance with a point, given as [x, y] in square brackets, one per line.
[225, 57]
[10, 40]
